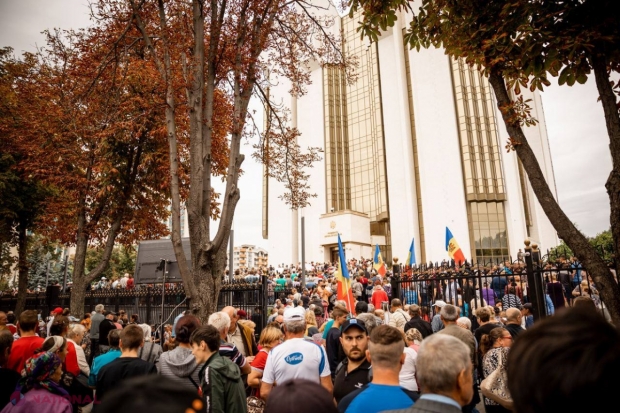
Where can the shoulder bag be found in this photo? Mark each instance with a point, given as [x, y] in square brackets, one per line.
[494, 386]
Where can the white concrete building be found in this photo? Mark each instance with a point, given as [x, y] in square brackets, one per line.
[415, 146]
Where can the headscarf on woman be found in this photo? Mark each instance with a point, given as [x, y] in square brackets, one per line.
[37, 375]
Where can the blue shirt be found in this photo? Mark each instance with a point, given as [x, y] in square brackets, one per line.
[379, 397]
[441, 399]
[99, 362]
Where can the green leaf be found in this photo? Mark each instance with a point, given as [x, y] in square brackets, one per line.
[563, 75]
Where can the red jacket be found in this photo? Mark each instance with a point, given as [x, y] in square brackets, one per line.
[379, 296]
[21, 351]
[71, 363]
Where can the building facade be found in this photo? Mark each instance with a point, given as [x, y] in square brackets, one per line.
[414, 146]
[247, 257]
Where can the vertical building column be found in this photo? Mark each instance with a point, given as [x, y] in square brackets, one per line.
[294, 212]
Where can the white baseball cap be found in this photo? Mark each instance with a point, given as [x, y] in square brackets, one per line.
[294, 314]
[439, 303]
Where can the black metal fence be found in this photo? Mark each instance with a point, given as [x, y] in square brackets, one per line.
[149, 304]
[546, 283]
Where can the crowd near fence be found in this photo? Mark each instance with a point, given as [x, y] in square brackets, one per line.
[466, 286]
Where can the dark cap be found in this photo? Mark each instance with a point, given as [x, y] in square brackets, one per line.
[109, 312]
[354, 322]
[528, 306]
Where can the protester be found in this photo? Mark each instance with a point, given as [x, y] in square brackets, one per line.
[415, 321]
[398, 317]
[565, 363]
[101, 360]
[513, 322]
[449, 314]
[414, 338]
[296, 357]
[407, 376]
[179, 365]
[60, 327]
[445, 375]
[128, 365]
[269, 338]
[106, 325]
[300, 396]
[333, 347]
[494, 347]
[355, 370]
[95, 322]
[386, 354]
[220, 380]
[28, 342]
[221, 321]
[8, 376]
[436, 323]
[40, 382]
[150, 351]
[75, 335]
[239, 335]
[56, 311]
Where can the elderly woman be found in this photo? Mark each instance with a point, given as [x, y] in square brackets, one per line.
[75, 335]
[40, 382]
[413, 338]
[407, 376]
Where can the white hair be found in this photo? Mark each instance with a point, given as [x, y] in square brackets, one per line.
[464, 321]
[99, 308]
[146, 329]
[75, 329]
[219, 320]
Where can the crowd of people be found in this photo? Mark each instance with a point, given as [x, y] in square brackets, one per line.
[428, 349]
[350, 360]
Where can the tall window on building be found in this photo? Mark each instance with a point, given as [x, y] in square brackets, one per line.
[481, 161]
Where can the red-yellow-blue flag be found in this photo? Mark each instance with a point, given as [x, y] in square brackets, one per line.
[345, 293]
[454, 251]
[378, 263]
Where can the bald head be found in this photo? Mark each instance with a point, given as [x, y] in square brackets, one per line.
[232, 313]
[513, 316]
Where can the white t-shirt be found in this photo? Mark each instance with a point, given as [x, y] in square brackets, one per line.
[296, 359]
[407, 374]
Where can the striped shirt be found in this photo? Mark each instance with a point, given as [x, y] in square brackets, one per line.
[231, 352]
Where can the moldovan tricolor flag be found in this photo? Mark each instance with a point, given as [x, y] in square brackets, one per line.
[411, 257]
[345, 293]
[378, 263]
[454, 251]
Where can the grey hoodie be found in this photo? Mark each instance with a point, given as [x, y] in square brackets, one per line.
[178, 365]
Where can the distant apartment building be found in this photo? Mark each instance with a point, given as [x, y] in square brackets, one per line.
[246, 257]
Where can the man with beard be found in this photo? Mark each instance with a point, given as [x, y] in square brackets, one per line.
[354, 371]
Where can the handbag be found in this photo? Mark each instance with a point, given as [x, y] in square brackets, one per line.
[77, 387]
[255, 404]
[494, 386]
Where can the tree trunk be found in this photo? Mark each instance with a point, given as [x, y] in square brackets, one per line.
[79, 264]
[208, 279]
[612, 122]
[22, 266]
[577, 242]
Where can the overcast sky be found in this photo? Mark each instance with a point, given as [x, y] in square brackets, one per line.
[574, 118]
